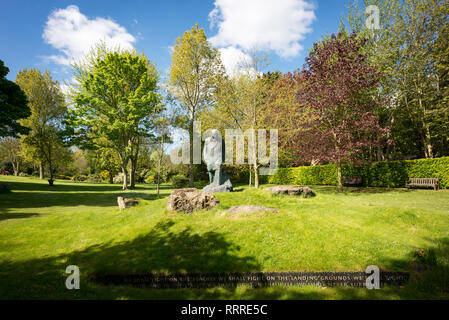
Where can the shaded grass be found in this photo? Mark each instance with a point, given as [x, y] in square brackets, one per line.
[43, 230]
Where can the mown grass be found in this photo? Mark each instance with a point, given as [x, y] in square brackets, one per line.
[44, 229]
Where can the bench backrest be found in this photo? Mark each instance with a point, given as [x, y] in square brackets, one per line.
[424, 180]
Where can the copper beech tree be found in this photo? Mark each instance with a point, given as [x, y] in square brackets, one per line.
[337, 102]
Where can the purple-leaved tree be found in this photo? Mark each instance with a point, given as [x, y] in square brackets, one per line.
[339, 94]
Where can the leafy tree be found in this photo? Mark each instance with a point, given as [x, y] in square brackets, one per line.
[194, 73]
[10, 151]
[163, 126]
[409, 48]
[108, 160]
[340, 92]
[283, 111]
[80, 162]
[239, 101]
[13, 106]
[115, 100]
[48, 109]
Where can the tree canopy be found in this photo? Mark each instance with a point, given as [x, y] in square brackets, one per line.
[13, 106]
[48, 109]
[115, 99]
[195, 71]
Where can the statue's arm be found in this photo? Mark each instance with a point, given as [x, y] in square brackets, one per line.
[205, 153]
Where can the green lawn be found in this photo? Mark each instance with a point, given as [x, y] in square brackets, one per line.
[44, 229]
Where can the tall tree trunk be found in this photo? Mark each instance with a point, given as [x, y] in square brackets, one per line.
[15, 168]
[255, 165]
[191, 179]
[340, 184]
[250, 175]
[159, 162]
[256, 176]
[50, 167]
[132, 173]
[125, 174]
[428, 142]
[158, 174]
[41, 171]
[427, 137]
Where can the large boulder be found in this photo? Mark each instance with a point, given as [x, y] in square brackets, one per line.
[190, 199]
[306, 192]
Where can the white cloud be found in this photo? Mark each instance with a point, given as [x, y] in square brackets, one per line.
[72, 33]
[233, 59]
[277, 25]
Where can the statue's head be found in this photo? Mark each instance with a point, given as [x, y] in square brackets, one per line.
[215, 135]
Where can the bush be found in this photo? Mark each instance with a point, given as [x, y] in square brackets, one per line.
[142, 174]
[393, 174]
[63, 177]
[94, 178]
[79, 178]
[118, 178]
[150, 179]
[180, 181]
[104, 175]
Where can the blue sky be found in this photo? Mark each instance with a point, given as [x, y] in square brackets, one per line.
[37, 34]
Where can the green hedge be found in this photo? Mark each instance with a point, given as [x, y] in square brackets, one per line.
[376, 174]
[180, 181]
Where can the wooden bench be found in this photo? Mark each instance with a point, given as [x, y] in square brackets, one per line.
[423, 182]
[357, 181]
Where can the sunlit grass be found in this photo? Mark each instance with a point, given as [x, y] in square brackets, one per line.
[43, 229]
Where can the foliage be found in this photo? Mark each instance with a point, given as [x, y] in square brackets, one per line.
[94, 178]
[195, 71]
[426, 257]
[179, 181]
[46, 101]
[239, 102]
[79, 178]
[393, 174]
[10, 151]
[115, 101]
[283, 111]
[340, 93]
[64, 177]
[13, 106]
[410, 48]
[104, 175]
[107, 160]
[80, 162]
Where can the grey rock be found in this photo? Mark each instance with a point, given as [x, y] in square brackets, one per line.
[190, 199]
[306, 192]
[225, 186]
[126, 202]
[250, 208]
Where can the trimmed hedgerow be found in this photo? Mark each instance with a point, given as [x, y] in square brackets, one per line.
[376, 174]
